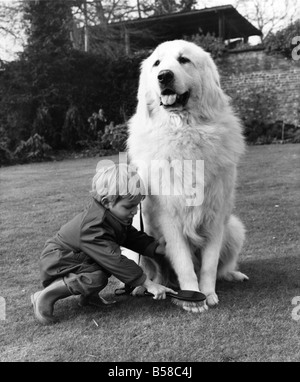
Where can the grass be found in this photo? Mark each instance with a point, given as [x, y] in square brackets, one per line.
[253, 321]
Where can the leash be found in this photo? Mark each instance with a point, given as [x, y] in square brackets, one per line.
[127, 289]
[141, 219]
[141, 228]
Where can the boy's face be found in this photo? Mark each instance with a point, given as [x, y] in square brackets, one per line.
[125, 209]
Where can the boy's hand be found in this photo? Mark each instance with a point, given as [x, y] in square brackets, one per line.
[159, 291]
[161, 248]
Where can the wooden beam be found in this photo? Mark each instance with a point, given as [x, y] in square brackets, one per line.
[221, 20]
[127, 41]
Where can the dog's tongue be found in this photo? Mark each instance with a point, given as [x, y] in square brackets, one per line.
[169, 99]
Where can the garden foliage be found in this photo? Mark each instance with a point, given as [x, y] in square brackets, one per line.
[281, 42]
[53, 90]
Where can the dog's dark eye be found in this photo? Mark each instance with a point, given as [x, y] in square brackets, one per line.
[156, 63]
[183, 60]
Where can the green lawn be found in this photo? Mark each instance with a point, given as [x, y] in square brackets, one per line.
[253, 321]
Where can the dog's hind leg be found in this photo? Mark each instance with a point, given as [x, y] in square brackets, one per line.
[234, 236]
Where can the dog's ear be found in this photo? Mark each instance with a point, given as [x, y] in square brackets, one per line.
[145, 97]
[213, 99]
[142, 89]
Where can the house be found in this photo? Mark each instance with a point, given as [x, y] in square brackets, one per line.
[146, 33]
[223, 21]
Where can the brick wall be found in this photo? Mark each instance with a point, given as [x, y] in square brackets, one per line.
[244, 73]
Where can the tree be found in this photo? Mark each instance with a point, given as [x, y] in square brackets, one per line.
[161, 7]
[48, 28]
[47, 56]
[92, 30]
[12, 35]
[268, 15]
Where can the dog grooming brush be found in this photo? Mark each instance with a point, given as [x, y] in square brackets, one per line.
[185, 295]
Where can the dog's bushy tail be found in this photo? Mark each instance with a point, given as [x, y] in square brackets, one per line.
[193, 228]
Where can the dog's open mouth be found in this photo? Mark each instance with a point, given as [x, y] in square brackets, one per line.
[169, 98]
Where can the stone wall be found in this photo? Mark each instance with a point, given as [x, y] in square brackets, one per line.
[253, 72]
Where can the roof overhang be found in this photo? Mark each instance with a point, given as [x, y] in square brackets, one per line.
[224, 22]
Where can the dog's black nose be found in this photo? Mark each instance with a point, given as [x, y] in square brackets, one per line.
[165, 76]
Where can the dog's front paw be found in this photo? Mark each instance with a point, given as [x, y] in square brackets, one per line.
[194, 307]
[212, 299]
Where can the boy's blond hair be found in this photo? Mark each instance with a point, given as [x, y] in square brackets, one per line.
[117, 182]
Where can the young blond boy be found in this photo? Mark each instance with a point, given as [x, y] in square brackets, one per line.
[85, 252]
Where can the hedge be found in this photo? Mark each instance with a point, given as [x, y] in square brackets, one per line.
[58, 105]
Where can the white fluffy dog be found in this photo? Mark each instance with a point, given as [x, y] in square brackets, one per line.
[186, 141]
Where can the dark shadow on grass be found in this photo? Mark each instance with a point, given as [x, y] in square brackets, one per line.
[268, 278]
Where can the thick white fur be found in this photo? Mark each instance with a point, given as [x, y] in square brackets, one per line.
[203, 241]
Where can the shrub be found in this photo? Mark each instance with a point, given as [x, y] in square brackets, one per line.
[281, 41]
[257, 132]
[43, 124]
[6, 156]
[114, 138]
[256, 107]
[296, 136]
[209, 42]
[73, 129]
[34, 149]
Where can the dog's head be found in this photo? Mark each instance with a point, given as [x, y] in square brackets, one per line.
[180, 76]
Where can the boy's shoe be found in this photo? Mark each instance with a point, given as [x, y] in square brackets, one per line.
[44, 300]
[94, 300]
[41, 316]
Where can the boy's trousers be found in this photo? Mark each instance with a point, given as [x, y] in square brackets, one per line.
[80, 273]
